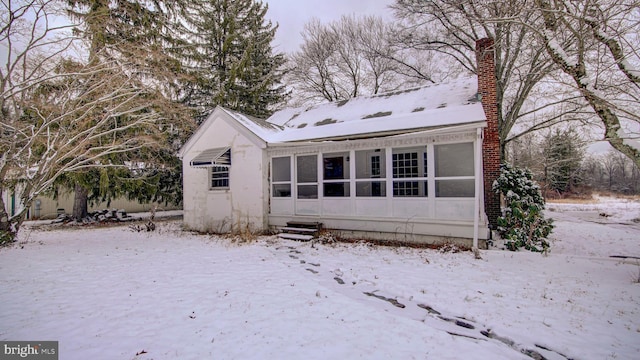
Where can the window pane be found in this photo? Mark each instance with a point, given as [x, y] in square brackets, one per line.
[218, 183]
[282, 190]
[371, 164]
[336, 189]
[307, 191]
[409, 188]
[307, 168]
[409, 162]
[454, 159]
[455, 188]
[219, 177]
[282, 169]
[371, 188]
[335, 166]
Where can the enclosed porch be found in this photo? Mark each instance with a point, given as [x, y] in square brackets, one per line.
[419, 187]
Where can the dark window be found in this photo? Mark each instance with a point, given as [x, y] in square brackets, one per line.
[405, 165]
[335, 167]
[219, 177]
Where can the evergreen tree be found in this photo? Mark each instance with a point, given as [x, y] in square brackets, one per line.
[230, 60]
[563, 153]
[139, 37]
[522, 224]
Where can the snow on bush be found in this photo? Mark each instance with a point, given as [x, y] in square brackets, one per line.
[522, 224]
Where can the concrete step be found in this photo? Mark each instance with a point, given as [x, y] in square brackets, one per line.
[300, 237]
[305, 224]
[298, 229]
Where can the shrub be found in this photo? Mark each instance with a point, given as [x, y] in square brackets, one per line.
[522, 225]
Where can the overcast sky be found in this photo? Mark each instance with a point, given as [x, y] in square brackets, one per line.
[292, 15]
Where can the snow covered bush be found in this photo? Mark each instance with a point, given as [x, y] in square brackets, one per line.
[522, 224]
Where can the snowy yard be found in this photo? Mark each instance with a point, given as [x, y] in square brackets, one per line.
[111, 293]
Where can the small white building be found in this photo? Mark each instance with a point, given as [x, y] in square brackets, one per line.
[411, 166]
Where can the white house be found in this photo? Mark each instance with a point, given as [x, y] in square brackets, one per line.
[413, 165]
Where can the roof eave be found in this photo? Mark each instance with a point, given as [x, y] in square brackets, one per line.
[381, 134]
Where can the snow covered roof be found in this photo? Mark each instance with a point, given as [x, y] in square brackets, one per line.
[448, 104]
[259, 127]
[400, 112]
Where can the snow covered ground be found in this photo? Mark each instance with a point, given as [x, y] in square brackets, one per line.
[112, 293]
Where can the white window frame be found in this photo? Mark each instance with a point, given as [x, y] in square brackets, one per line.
[219, 170]
[219, 175]
[370, 178]
[300, 184]
[346, 174]
[454, 178]
[422, 159]
[283, 182]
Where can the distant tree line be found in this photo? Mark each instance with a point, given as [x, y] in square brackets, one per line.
[612, 172]
[561, 165]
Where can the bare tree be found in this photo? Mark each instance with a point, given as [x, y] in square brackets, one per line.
[345, 59]
[313, 70]
[524, 152]
[451, 28]
[596, 44]
[61, 115]
[613, 172]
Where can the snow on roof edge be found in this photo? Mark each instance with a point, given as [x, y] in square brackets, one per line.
[436, 117]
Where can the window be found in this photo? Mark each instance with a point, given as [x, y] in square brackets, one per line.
[281, 176]
[410, 163]
[370, 173]
[220, 177]
[220, 173]
[307, 176]
[454, 165]
[336, 168]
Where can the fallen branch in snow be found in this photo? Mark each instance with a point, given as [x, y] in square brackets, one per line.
[394, 302]
[625, 257]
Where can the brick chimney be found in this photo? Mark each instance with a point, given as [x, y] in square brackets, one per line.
[485, 53]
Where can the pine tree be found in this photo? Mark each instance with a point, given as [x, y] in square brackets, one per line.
[563, 153]
[231, 61]
[141, 39]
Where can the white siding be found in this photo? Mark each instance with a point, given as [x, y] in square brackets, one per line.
[243, 205]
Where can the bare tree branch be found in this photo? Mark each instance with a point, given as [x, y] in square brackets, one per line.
[572, 39]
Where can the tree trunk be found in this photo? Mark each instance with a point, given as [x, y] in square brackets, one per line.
[7, 231]
[80, 203]
[9, 224]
